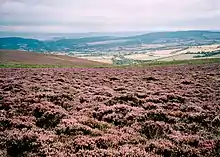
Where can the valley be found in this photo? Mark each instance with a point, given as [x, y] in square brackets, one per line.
[127, 50]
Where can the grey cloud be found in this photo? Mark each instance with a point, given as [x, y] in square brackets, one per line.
[106, 15]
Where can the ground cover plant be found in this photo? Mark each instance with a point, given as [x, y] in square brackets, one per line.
[138, 111]
[142, 64]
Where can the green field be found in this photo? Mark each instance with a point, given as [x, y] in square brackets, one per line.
[153, 63]
[182, 62]
[19, 65]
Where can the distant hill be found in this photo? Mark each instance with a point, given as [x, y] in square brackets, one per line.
[88, 44]
[178, 35]
[12, 56]
[15, 43]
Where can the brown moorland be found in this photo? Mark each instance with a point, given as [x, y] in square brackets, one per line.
[23, 57]
[168, 111]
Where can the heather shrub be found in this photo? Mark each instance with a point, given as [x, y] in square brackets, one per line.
[83, 143]
[120, 89]
[150, 78]
[149, 106]
[96, 124]
[104, 91]
[207, 145]
[175, 98]
[110, 112]
[128, 99]
[134, 151]
[156, 99]
[5, 123]
[1, 98]
[113, 79]
[116, 139]
[187, 82]
[118, 114]
[140, 95]
[158, 115]
[192, 128]
[100, 98]
[178, 114]
[217, 148]
[48, 120]
[154, 130]
[23, 122]
[18, 143]
[77, 129]
[59, 99]
[60, 80]
[13, 87]
[123, 152]
[201, 118]
[73, 127]
[47, 114]
[168, 149]
[102, 113]
[6, 104]
[105, 142]
[98, 152]
[185, 139]
[216, 121]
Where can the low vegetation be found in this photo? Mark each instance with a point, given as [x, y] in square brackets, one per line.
[161, 111]
[131, 64]
[17, 65]
[20, 59]
[207, 54]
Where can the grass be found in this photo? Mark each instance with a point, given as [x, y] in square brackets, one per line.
[21, 65]
[149, 64]
[181, 62]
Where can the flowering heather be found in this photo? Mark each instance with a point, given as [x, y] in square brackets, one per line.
[132, 112]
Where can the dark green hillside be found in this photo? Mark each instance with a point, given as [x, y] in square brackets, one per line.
[88, 44]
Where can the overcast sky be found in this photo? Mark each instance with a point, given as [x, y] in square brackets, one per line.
[108, 15]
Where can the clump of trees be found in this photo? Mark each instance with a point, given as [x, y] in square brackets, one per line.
[207, 54]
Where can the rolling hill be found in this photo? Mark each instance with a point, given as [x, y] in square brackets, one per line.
[23, 57]
[88, 44]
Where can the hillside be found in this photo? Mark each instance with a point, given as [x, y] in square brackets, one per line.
[170, 37]
[11, 56]
[93, 44]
